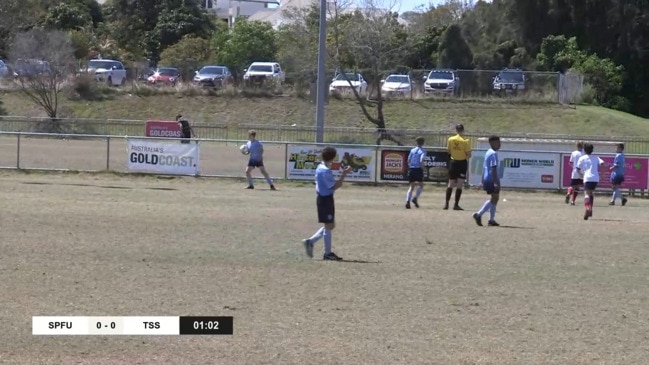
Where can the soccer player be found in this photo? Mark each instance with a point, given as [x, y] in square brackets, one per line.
[460, 151]
[185, 128]
[617, 175]
[256, 160]
[490, 183]
[576, 180]
[588, 166]
[325, 186]
[415, 172]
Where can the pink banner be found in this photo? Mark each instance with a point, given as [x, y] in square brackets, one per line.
[159, 128]
[635, 175]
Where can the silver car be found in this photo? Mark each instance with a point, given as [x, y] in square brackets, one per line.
[4, 70]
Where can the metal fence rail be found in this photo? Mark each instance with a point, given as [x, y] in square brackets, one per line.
[287, 133]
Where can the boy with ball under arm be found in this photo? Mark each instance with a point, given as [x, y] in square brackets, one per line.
[617, 175]
[325, 186]
[256, 151]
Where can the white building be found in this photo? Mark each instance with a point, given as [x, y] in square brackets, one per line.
[229, 10]
[274, 15]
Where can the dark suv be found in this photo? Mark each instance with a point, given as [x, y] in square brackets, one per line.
[509, 81]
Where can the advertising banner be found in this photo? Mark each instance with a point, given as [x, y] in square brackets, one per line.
[635, 174]
[158, 157]
[534, 170]
[303, 160]
[159, 128]
[394, 166]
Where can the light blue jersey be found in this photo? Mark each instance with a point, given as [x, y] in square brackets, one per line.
[416, 157]
[490, 161]
[324, 180]
[256, 150]
[618, 162]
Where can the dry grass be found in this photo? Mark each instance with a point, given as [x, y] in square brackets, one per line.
[548, 289]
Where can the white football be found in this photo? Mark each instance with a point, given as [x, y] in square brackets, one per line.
[244, 149]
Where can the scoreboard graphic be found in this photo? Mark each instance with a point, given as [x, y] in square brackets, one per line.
[131, 326]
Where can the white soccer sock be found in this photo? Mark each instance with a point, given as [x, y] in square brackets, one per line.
[317, 236]
[418, 193]
[409, 195]
[327, 241]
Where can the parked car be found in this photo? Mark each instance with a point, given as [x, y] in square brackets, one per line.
[509, 81]
[31, 68]
[341, 83]
[165, 75]
[260, 72]
[396, 84]
[442, 81]
[4, 69]
[109, 71]
[213, 76]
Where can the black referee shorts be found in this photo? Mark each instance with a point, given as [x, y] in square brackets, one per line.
[457, 169]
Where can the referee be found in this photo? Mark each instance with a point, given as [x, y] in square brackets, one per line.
[460, 151]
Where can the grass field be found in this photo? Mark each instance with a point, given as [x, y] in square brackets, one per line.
[428, 287]
[488, 115]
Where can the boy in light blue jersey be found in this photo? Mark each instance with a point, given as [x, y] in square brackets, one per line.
[490, 183]
[256, 160]
[415, 172]
[325, 186]
[617, 175]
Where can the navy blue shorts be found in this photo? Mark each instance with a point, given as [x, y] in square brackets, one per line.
[617, 179]
[326, 209]
[416, 174]
[255, 163]
[591, 185]
[489, 187]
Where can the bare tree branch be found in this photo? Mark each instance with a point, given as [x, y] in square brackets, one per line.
[42, 61]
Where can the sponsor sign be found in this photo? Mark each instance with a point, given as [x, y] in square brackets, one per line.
[535, 170]
[303, 160]
[635, 173]
[159, 128]
[162, 157]
[394, 165]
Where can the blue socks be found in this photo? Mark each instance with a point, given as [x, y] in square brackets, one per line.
[492, 212]
[317, 236]
[250, 182]
[419, 189]
[269, 181]
[327, 240]
[487, 205]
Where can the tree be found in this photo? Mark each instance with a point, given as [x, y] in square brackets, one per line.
[454, 51]
[44, 58]
[249, 41]
[67, 17]
[373, 38]
[188, 54]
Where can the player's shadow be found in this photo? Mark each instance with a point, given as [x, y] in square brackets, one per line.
[360, 261]
[513, 227]
[606, 220]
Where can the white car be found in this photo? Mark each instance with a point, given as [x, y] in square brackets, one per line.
[341, 83]
[441, 81]
[260, 72]
[396, 84]
[111, 72]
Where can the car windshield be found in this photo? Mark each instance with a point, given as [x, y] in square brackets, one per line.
[107, 65]
[347, 76]
[398, 78]
[511, 76]
[212, 71]
[441, 75]
[168, 72]
[261, 68]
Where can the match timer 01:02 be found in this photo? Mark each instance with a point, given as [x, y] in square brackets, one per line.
[140, 325]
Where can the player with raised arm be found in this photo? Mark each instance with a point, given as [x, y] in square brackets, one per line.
[459, 149]
[415, 172]
[325, 186]
[588, 166]
[575, 179]
[490, 183]
[256, 160]
[617, 175]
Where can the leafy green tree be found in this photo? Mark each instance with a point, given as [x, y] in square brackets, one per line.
[454, 51]
[188, 54]
[249, 41]
[67, 17]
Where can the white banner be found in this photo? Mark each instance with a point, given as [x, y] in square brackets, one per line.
[303, 160]
[163, 157]
[533, 170]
